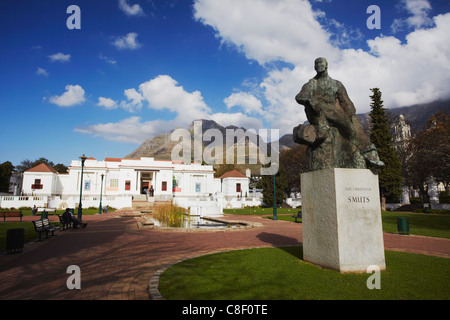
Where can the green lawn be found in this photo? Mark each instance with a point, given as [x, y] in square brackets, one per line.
[30, 234]
[281, 274]
[431, 225]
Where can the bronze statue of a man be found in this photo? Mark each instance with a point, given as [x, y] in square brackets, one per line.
[334, 135]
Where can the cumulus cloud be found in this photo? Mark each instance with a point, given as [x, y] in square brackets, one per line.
[419, 15]
[128, 41]
[107, 103]
[162, 93]
[129, 130]
[74, 95]
[413, 71]
[59, 57]
[246, 101]
[130, 10]
[133, 102]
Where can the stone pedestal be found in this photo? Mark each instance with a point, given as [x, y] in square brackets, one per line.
[342, 219]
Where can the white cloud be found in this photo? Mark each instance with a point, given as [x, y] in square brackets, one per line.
[419, 11]
[267, 30]
[59, 57]
[415, 71]
[129, 130]
[162, 93]
[134, 100]
[108, 103]
[248, 102]
[107, 59]
[74, 95]
[130, 10]
[41, 72]
[236, 119]
[128, 41]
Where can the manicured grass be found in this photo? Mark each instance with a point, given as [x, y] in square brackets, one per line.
[431, 225]
[281, 274]
[30, 233]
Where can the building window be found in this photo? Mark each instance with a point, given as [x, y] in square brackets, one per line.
[238, 187]
[87, 185]
[164, 186]
[37, 184]
[127, 185]
[197, 187]
[114, 183]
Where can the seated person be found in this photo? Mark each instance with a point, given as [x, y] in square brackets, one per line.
[70, 217]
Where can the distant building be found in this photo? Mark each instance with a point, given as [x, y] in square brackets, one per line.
[128, 180]
[401, 133]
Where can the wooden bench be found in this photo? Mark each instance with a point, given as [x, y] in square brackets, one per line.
[42, 226]
[297, 216]
[66, 224]
[8, 214]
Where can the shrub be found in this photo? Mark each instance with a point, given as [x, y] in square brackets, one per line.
[170, 215]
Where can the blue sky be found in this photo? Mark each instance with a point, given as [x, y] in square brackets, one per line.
[137, 68]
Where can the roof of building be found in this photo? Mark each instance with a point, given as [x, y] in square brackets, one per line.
[113, 159]
[232, 174]
[42, 167]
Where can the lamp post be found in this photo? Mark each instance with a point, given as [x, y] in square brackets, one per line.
[101, 191]
[80, 206]
[274, 199]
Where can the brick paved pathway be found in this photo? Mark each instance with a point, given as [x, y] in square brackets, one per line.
[117, 259]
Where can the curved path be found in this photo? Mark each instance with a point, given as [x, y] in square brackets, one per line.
[117, 259]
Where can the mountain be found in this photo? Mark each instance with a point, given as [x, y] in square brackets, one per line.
[160, 146]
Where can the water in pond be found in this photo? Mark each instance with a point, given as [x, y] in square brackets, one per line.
[192, 221]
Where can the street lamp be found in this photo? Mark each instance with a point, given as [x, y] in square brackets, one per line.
[101, 191]
[274, 199]
[80, 207]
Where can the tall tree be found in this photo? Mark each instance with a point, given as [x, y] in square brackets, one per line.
[6, 170]
[293, 161]
[390, 177]
[266, 183]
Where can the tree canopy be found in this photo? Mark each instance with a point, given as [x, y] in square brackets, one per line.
[428, 153]
[390, 177]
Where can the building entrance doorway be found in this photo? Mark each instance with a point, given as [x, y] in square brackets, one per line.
[146, 183]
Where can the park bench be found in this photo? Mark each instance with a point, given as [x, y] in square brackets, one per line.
[42, 226]
[66, 223]
[7, 214]
[297, 216]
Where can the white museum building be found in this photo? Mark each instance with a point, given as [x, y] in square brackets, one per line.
[125, 181]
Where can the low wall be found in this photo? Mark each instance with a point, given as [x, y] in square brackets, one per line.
[64, 202]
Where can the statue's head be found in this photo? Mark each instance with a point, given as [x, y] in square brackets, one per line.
[320, 65]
